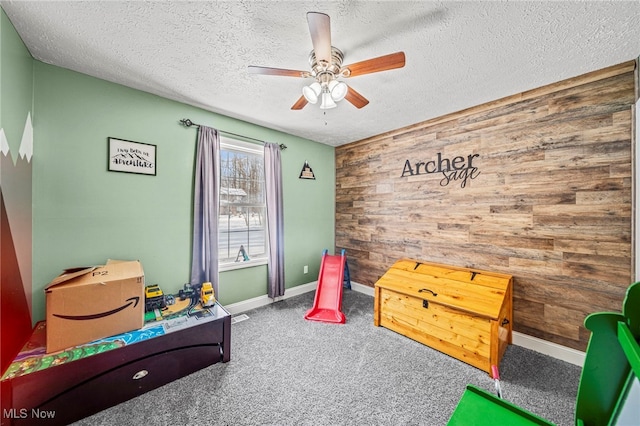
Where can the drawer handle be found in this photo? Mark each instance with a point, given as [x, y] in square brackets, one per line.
[427, 290]
[140, 374]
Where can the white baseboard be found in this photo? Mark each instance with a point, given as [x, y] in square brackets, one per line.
[554, 350]
[362, 288]
[529, 342]
[257, 302]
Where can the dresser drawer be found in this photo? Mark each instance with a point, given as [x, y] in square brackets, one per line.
[128, 381]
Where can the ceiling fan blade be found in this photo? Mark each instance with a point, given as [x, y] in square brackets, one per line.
[300, 103]
[278, 71]
[320, 29]
[356, 98]
[381, 63]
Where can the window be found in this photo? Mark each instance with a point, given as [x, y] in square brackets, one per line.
[242, 222]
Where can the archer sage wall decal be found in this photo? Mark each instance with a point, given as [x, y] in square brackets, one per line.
[455, 169]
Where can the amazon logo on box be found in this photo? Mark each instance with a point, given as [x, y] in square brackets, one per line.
[91, 303]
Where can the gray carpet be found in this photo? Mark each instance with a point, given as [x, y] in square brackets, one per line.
[285, 370]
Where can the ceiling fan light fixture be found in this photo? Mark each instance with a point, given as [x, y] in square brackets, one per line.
[327, 101]
[338, 90]
[326, 68]
[312, 92]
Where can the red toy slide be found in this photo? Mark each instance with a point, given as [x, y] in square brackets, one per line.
[328, 300]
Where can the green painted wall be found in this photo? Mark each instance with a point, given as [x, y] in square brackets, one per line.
[16, 81]
[84, 214]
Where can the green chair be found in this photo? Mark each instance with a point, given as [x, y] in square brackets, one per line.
[610, 372]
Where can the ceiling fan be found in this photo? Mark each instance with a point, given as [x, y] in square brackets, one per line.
[327, 68]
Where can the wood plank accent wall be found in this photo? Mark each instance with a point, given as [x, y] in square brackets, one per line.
[550, 202]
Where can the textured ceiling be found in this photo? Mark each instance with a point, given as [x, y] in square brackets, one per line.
[458, 54]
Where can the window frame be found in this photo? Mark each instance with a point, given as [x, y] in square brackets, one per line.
[229, 143]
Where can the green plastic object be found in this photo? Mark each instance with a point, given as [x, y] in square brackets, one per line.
[631, 309]
[604, 372]
[481, 408]
[611, 367]
[607, 370]
[630, 347]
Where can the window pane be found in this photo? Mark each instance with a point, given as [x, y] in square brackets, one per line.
[242, 230]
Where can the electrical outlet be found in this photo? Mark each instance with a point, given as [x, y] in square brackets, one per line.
[306, 269]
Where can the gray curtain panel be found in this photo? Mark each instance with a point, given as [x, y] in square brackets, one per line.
[275, 219]
[206, 200]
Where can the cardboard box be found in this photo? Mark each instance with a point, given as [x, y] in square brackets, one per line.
[90, 303]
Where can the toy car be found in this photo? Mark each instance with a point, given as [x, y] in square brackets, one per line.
[170, 299]
[207, 298]
[153, 298]
[187, 292]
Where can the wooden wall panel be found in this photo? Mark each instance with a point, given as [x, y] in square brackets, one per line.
[550, 202]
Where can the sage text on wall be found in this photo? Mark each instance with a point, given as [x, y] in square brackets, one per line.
[455, 169]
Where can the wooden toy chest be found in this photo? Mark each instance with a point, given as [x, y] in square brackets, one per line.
[464, 313]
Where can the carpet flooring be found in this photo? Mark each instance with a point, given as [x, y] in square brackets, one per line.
[285, 370]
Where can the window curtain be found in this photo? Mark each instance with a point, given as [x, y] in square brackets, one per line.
[206, 201]
[275, 219]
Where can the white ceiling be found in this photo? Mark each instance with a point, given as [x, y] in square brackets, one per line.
[458, 54]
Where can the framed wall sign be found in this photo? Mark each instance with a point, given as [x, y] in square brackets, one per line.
[131, 157]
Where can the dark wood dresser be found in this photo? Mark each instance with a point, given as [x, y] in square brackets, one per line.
[63, 387]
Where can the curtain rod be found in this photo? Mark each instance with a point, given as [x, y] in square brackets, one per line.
[188, 123]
